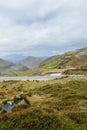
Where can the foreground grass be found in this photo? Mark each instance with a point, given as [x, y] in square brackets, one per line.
[60, 104]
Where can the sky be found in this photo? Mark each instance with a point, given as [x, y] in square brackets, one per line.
[42, 27]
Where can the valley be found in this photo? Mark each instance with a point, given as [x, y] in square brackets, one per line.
[43, 64]
[69, 62]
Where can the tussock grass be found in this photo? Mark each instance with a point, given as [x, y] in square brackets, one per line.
[60, 104]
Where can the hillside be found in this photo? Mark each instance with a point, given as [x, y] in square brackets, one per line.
[7, 67]
[16, 68]
[14, 58]
[5, 64]
[60, 104]
[31, 62]
[73, 59]
[28, 63]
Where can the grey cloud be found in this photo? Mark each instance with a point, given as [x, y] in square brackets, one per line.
[46, 26]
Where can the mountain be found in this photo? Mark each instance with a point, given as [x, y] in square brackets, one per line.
[14, 57]
[5, 64]
[70, 60]
[7, 67]
[73, 59]
[31, 62]
[16, 68]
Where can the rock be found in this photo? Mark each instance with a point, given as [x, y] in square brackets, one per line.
[18, 100]
[36, 74]
[7, 107]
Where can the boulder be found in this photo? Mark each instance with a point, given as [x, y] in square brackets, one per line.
[18, 100]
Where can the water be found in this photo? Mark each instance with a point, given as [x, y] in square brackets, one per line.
[47, 77]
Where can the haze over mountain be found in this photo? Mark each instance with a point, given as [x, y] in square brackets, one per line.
[7, 67]
[4, 65]
[14, 57]
[19, 64]
[31, 62]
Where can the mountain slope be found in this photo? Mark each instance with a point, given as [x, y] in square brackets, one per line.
[75, 59]
[7, 67]
[31, 62]
[14, 57]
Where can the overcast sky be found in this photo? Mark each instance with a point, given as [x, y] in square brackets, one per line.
[42, 27]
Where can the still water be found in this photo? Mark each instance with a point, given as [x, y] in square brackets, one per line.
[46, 77]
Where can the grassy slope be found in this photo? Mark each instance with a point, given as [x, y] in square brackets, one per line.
[68, 61]
[60, 104]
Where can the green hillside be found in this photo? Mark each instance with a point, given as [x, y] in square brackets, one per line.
[74, 59]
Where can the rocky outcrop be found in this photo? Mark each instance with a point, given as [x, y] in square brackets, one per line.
[18, 100]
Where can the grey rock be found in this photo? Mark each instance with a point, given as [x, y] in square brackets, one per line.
[9, 105]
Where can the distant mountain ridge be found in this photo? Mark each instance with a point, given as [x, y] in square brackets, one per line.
[14, 58]
[28, 63]
[7, 67]
[31, 62]
[5, 64]
[70, 60]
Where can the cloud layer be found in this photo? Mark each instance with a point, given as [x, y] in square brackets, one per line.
[42, 27]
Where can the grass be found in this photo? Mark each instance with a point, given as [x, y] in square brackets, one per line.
[42, 71]
[59, 104]
[76, 71]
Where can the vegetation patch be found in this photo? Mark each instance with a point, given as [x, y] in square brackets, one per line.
[59, 104]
